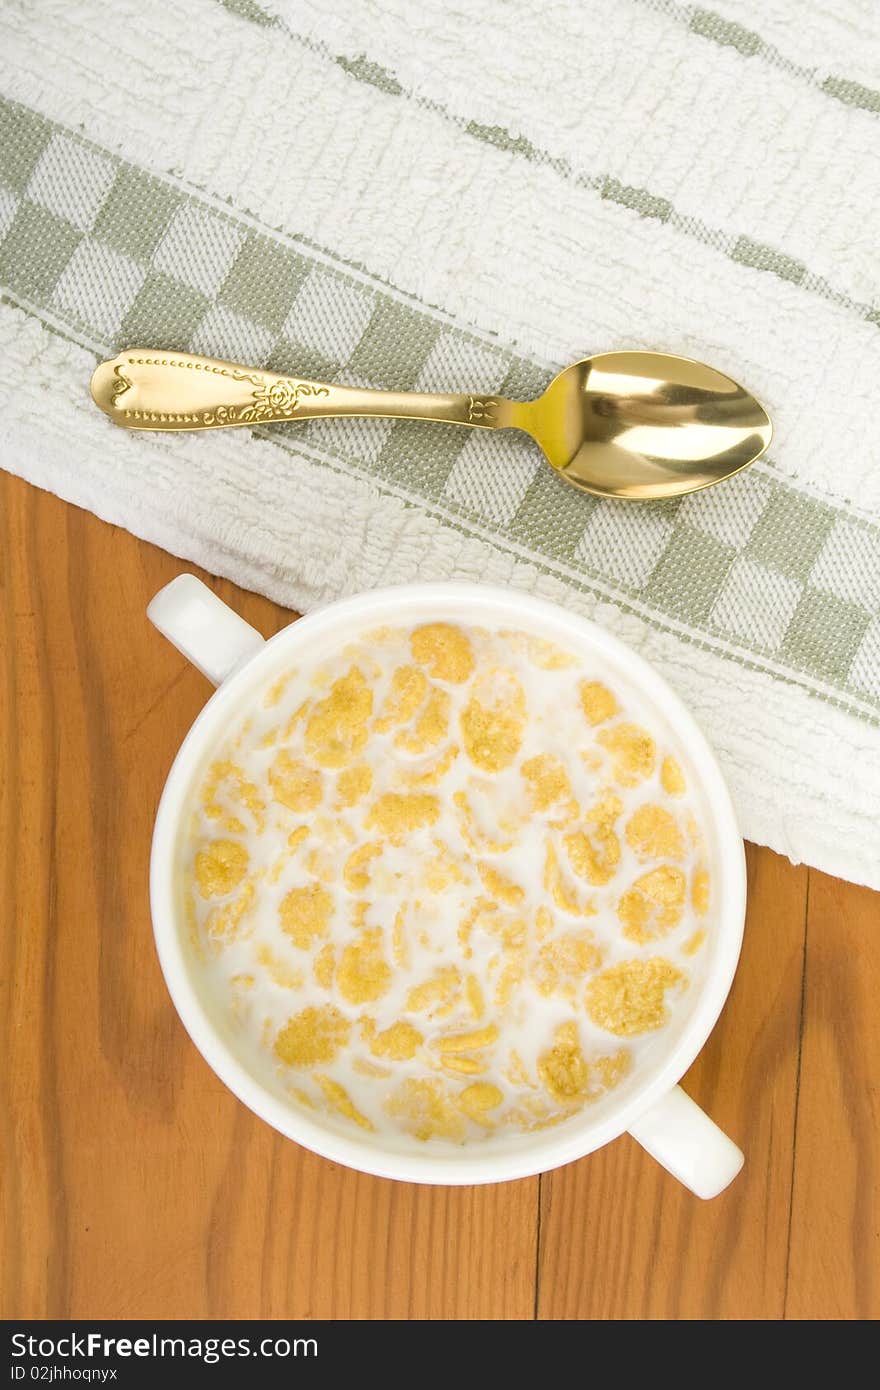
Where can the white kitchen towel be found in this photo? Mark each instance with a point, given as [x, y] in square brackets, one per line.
[463, 196]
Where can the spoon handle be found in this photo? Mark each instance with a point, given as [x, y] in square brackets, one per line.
[150, 389]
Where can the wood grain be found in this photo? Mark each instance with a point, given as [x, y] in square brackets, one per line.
[834, 1269]
[135, 1185]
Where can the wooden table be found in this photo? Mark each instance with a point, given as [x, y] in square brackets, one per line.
[135, 1185]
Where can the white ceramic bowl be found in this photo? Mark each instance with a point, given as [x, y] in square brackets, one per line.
[649, 1104]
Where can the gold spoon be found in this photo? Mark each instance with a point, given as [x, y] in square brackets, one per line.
[639, 425]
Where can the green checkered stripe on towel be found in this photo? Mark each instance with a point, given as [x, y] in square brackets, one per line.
[116, 257]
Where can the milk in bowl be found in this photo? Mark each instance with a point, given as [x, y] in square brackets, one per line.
[447, 885]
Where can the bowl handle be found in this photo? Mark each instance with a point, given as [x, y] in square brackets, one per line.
[203, 627]
[681, 1136]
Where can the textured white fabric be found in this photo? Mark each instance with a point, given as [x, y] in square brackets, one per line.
[254, 118]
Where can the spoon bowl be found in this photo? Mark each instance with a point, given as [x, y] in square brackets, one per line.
[638, 426]
[646, 425]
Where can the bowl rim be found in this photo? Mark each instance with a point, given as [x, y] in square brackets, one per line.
[468, 1165]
